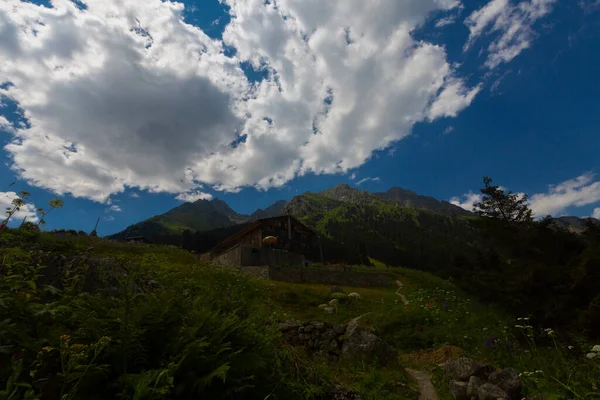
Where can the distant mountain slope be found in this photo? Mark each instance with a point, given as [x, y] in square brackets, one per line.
[201, 215]
[402, 197]
[273, 210]
[408, 198]
[573, 224]
[383, 229]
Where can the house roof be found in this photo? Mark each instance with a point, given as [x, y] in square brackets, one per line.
[233, 239]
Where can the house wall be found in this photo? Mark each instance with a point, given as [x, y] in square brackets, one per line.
[252, 256]
[231, 257]
[345, 277]
[302, 240]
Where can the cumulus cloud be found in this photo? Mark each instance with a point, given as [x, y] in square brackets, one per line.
[466, 201]
[114, 208]
[596, 213]
[367, 179]
[194, 195]
[576, 192]
[28, 210]
[513, 24]
[5, 125]
[125, 94]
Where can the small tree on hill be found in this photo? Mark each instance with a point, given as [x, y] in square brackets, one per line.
[498, 204]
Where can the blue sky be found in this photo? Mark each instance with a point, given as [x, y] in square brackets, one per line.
[252, 102]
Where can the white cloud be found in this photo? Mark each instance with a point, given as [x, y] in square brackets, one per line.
[513, 24]
[114, 208]
[466, 201]
[134, 195]
[28, 210]
[5, 125]
[577, 192]
[193, 196]
[448, 130]
[125, 94]
[440, 23]
[375, 179]
[596, 213]
[353, 176]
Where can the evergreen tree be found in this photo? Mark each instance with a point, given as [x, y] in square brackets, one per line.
[506, 206]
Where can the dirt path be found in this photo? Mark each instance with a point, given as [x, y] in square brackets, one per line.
[426, 388]
[400, 286]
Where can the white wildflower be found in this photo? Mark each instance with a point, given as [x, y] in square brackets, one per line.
[596, 349]
[591, 355]
[570, 347]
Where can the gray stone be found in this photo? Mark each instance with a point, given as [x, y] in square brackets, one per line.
[489, 391]
[340, 330]
[302, 336]
[333, 344]
[308, 328]
[329, 310]
[318, 325]
[335, 289]
[458, 390]
[484, 371]
[473, 385]
[460, 369]
[508, 380]
[362, 344]
[287, 326]
[301, 329]
[329, 335]
[311, 344]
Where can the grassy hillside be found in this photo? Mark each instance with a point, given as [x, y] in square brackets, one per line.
[175, 328]
[396, 235]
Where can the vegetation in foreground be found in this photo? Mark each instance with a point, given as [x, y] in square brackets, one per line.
[173, 328]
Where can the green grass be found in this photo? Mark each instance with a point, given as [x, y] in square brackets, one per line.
[211, 332]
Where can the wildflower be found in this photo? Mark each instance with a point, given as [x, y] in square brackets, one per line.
[228, 294]
[485, 329]
[65, 338]
[445, 305]
[570, 347]
[591, 355]
[596, 349]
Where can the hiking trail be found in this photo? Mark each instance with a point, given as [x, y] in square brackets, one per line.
[400, 286]
[426, 388]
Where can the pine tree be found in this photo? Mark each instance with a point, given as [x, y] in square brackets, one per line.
[498, 204]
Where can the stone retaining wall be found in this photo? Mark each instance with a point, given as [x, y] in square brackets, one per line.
[345, 277]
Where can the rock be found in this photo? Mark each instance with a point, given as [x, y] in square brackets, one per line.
[302, 336]
[318, 325]
[301, 329]
[340, 330]
[508, 380]
[460, 369]
[354, 296]
[288, 326]
[458, 390]
[329, 335]
[333, 344]
[489, 391]
[473, 386]
[311, 344]
[338, 296]
[323, 306]
[329, 310]
[308, 328]
[335, 289]
[334, 301]
[484, 371]
[362, 344]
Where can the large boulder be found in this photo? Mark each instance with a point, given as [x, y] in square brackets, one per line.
[473, 386]
[508, 380]
[360, 343]
[489, 391]
[458, 390]
[461, 369]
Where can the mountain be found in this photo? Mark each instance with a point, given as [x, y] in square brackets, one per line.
[573, 224]
[382, 228]
[273, 210]
[201, 215]
[407, 198]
